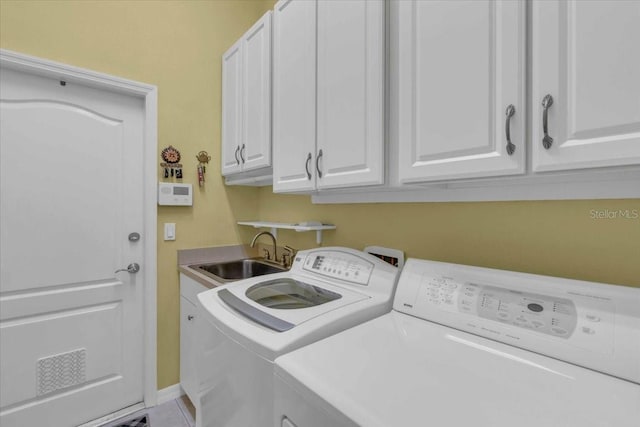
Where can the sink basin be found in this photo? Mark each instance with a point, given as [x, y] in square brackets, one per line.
[237, 270]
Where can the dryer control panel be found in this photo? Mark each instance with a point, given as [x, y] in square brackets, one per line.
[590, 324]
[542, 313]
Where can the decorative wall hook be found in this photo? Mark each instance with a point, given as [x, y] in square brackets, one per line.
[203, 159]
[171, 164]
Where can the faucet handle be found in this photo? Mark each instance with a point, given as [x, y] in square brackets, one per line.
[287, 258]
[266, 254]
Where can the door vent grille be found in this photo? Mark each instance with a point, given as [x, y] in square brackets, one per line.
[61, 371]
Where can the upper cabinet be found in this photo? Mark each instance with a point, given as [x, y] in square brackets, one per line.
[465, 100]
[246, 101]
[586, 84]
[458, 88]
[350, 93]
[328, 93]
[231, 109]
[294, 95]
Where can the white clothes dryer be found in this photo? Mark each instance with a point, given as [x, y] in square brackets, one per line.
[251, 322]
[469, 346]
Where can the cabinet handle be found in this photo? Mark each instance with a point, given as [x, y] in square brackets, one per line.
[511, 147]
[318, 163]
[547, 102]
[306, 167]
[189, 317]
[242, 153]
[236, 154]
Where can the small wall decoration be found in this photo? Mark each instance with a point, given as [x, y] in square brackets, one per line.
[171, 164]
[203, 158]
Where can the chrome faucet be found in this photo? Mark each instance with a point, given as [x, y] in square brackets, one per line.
[273, 238]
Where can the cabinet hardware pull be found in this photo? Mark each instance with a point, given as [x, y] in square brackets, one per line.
[189, 317]
[236, 154]
[547, 102]
[317, 163]
[242, 153]
[306, 167]
[511, 147]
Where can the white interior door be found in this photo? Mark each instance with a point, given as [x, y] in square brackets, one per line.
[71, 330]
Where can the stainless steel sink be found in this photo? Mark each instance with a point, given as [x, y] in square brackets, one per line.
[237, 270]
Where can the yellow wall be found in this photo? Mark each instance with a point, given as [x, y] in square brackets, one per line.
[176, 45]
[556, 238]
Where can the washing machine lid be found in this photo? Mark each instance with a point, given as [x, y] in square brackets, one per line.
[285, 301]
[289, 294]
[400, 370]
[284, 293]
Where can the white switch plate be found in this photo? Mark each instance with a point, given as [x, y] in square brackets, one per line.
[169, 231]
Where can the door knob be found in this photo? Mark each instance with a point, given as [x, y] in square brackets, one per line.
[131, 268]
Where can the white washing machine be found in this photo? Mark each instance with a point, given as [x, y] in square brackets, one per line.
[468, 346]
[251, 322]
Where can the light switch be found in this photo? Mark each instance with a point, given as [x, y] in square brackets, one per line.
[169, 231]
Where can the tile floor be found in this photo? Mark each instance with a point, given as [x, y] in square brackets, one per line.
[174, 413]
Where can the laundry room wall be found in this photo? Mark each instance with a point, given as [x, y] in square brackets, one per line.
[577, 239]
[176, 45]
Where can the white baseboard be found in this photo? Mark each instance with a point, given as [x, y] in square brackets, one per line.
[169, 393]
[165, 395]
[114, 416]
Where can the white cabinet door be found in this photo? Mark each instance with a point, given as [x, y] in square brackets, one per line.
[350, 131]
[586, 56]
[255, 150]
[231, 109]
[294, 95]
[190, 341]
[460, 64]
[187, 351]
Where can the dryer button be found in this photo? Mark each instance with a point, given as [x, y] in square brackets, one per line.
[535, 307]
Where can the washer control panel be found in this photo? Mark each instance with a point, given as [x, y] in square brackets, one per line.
[339, 265]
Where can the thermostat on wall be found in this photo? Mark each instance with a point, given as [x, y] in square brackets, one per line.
[171, 194]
